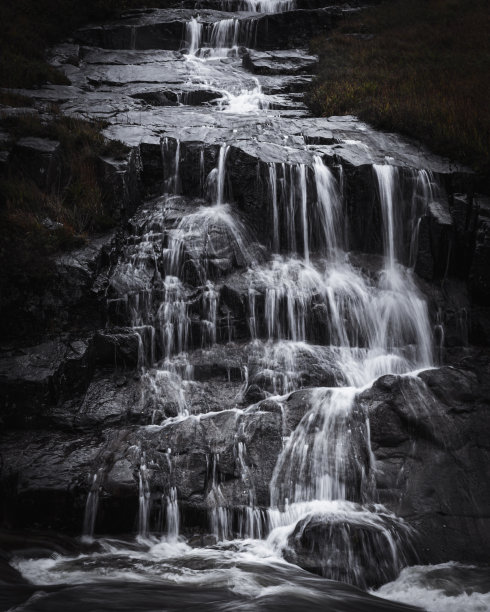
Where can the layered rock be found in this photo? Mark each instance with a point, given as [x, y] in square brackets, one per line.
[207, 338]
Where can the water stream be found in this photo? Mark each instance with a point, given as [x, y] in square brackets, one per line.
[305, 300]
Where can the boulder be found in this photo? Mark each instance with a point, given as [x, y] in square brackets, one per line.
[430, 439]
[118, 349]
[351, 545]
[34, 379]
[290, 62]
[39, 160]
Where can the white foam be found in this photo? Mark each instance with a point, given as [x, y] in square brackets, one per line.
[413, 587]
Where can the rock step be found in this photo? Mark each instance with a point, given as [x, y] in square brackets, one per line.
[279, 62]
[248, 177]
[166, 29]
[276, 6]
[48, 485]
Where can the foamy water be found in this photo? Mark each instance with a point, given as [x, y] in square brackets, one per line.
[448, 587]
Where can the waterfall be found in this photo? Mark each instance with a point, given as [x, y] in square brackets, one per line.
[219, 516]
[223, 151]
[308, 306]
[304, 212]
[144, 499]
[329, 205]
[173, 319]
[322, 456]
[193, 35]
[387, 182]
[172, 522]
[208, 322]
[224, 34]
[92, 506]
[275, 212]
[132, 44]
[251, 516]
[173, 518]
[268, 6]
[171, 165]
[255, 296]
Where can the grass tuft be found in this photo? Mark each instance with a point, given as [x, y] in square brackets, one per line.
[27, 27]
[39, 223]
[419, 68]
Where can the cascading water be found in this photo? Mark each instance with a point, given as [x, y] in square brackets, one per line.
[224, 37]
[370, 326]
[219, 517]
[193, 35]
[267, 6]
[91, 506]
[329, 207]
[193, 283]
[320, 460]
[172, 523]
[207, 44]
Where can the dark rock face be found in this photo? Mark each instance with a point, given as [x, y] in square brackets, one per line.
[279, 63]
[32, 380]
[183, 369]
[434, 242]
[338, 548]
[102, 432]
[40, 160]
[431, 447]
[479, 272]
[165, 29]
[71, 295]
[428, 435]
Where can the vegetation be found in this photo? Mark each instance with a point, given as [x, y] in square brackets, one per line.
[27, 27]
[38, 222]
[419, 67]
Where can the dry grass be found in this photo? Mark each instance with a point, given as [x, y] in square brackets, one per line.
[27, 27]
[420, 68]
[78, 201]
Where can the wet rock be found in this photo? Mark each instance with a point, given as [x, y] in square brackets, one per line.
[117, 349]
[108, 402]
[122, 184]
[342, 546]
[435, 241]
[34, 379]
[191, 97]
[220, 361]
[157, 98]
[65, 53]
[201, 540]
[42, 483]
[164, 29]
[70, 299]
[431, 445]
[289, 62]
[479, 277]
[39, 159]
